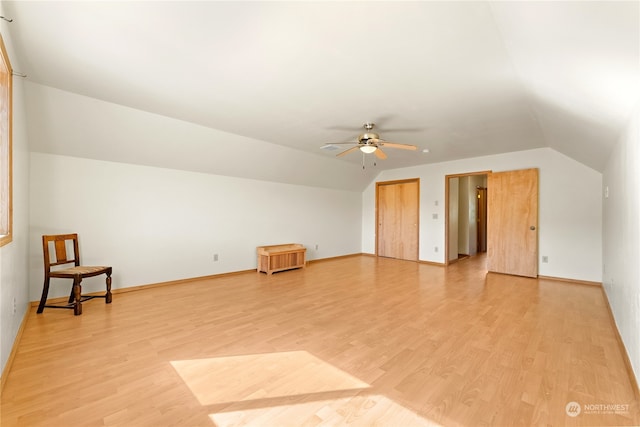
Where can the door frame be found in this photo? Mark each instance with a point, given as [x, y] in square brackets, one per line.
[392, 182]
[446, 207]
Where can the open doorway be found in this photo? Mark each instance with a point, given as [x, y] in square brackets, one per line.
[465, 215]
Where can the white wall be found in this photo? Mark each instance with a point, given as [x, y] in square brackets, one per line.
[570, 209]
[621, 246]
[13, 257]
[154, 225]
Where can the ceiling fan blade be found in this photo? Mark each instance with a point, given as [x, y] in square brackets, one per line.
[396, 145]
[347, 151]
[344, 128]
[380, 154]
[382, 123]
[402, 129]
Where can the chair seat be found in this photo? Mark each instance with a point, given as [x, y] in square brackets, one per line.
[82, 270]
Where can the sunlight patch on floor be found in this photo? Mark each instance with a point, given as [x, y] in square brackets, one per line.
[373, 410]
[261, 376]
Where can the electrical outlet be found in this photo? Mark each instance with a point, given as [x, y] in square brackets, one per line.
[434, 216]
[545, 259]
[435, 249]
[215, 257]
[316, 246]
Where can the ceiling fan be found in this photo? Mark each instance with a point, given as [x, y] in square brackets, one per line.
[370, 142]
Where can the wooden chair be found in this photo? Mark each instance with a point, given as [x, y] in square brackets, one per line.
[57, 257]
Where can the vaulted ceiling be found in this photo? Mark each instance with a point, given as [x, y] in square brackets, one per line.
[461, 79]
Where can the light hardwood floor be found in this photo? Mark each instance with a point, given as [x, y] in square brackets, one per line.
[358, 341]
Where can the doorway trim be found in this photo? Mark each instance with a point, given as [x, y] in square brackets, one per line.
[392, 182]
[446, 207]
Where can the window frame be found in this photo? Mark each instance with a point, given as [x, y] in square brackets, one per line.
[6, 147]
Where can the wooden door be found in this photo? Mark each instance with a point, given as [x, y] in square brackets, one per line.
[512, 222]
[397, 219]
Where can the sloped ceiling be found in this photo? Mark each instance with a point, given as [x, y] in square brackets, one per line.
[461, 79]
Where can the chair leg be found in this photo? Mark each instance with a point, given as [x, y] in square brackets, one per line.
[45, 293]
[108, 297]
[71, 295]
[77, 292]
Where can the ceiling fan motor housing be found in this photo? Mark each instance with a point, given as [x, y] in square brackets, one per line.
[365, 137]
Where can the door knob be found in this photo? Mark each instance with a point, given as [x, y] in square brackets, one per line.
[533, 227]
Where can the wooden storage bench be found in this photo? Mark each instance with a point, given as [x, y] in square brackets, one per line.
[281, 257]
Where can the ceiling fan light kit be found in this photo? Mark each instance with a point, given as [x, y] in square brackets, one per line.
[368, 148]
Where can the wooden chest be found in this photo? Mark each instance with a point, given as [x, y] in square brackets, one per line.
[281, 257]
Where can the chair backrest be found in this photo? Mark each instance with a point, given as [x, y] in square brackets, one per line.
[60, 249]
